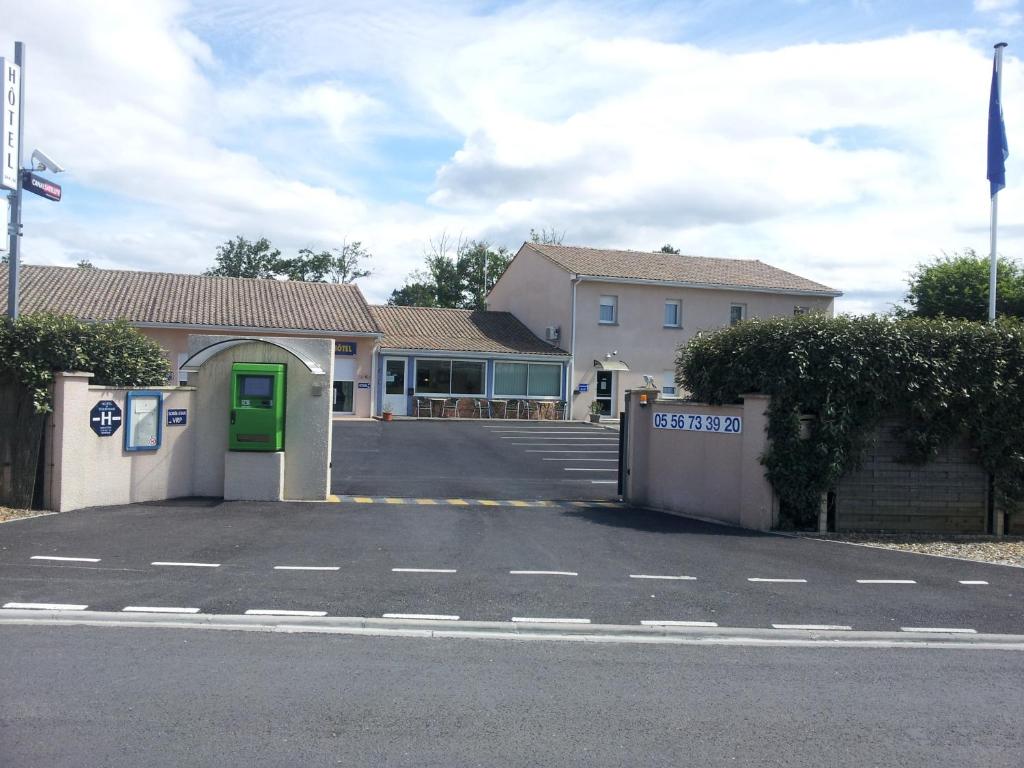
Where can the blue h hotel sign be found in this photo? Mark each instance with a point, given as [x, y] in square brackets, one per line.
[105, 418]
[344, 347]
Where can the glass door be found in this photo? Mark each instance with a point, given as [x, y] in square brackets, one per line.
[605, 392]
[342, 397]
[394, 386]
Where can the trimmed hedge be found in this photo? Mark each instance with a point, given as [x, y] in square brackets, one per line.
[944, 379]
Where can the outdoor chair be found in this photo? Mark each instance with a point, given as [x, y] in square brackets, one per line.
[421, 405]
[528, 407]
[511, 406]
[451, 404]
[559, 410]
[482, 406]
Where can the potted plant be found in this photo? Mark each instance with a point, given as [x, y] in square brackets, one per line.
[387, 412]
[595, 412]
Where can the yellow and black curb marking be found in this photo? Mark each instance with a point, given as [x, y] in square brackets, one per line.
[468, 502]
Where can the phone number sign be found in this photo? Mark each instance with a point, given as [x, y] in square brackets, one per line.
[699, 422]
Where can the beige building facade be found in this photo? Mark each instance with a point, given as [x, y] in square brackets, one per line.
[622, 315]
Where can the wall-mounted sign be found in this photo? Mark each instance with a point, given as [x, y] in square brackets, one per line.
[364, 385]
[105, 418]
[144, 423]
[344, 347]
[699, 422]
[30, 182]
[177, 417]
[584, 387]
[10, 138]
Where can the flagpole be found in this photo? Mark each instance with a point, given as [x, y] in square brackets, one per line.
[992, 267]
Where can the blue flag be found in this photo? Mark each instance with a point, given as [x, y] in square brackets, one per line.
[997, 149]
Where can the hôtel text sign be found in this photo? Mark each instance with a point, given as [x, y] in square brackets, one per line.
[699, 422]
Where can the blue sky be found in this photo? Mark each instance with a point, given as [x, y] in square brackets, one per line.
[841, 140]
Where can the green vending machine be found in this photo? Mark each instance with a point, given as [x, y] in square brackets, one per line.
[257, 407]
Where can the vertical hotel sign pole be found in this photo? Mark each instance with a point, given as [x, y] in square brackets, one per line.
[997, 154]
[13, 114]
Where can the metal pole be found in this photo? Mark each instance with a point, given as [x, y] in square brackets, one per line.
[991, 254]
[15, 196]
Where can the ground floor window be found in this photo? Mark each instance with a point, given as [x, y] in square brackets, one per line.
[450, 377]
[527, 379]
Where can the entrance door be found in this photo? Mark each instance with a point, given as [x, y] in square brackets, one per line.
[342, 397]
[605, 392]
[394, 385]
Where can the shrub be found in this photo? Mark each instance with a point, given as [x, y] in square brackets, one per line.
[944, 379]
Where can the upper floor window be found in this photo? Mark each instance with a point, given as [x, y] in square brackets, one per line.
[797, 311]
[673, 313]
[609, 310]
[737, 313]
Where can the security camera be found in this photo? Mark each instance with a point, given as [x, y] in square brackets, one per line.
[42, 162]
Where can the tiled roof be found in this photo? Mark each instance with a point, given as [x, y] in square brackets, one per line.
[675, 268]
[162, 298]
[458, 330]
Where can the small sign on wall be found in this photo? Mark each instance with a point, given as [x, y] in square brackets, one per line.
[177, 417]
[699, 422]
[364, 385]
[344, 347]
[584, 387]
[105, 418]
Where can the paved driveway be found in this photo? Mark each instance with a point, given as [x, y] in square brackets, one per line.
[490, 459]
[582, 561]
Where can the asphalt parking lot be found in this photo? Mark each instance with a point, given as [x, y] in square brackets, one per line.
[486, 459]
[595, 562]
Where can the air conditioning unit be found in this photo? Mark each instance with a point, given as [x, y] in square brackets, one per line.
[552, 333]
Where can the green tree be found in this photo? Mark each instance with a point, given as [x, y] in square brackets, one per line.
[547, 236]
[456, 274]
[956, 285]
[241, 258]
[337, 265]
[667, 248]
[85, 264]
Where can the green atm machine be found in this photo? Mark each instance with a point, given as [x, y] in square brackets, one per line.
[257, 407]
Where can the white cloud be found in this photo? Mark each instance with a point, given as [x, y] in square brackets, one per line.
[847, 163]
[985, 6]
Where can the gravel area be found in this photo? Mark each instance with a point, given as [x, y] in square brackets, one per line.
[1006, 550]
[6, 513]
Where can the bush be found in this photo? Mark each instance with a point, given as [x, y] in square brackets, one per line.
[944, 379]
[36, 345]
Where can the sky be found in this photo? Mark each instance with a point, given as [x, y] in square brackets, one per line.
[844, 141]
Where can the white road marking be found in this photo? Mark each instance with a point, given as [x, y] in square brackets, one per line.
[564, 444]
[425, 616]
[604, 482]
[671, 578]
[536, 620]
[822, 627]
[47, 606]
[307, 567]
[780, 581]
[670, 623]
[576, 458]
[157, 609]
[66, 559]
[273, 612]
[886, 581]
[424, 570]
[587, 469]
[974, 582]
[567, 451]
[544, 573]
[567, 439]
[189, 565]
[541, 431]
[944, 630]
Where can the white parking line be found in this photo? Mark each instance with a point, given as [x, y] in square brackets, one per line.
[975, 582]
[886, 581]
[945, 630]
[66, 559]
[273, 612]
[426, 616]
[603, 482]
[780, 581]
[566, 439]
[671, 623]
[424, 570]
[188, 565]
[307, 567]
[47, 606]
[670, 578]
[543, 573]
[564, 444]
[157, 609]
[537, 620]
[587, 469]
[576, 458]
[542, 431]
[567, 451]
[820, 627]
